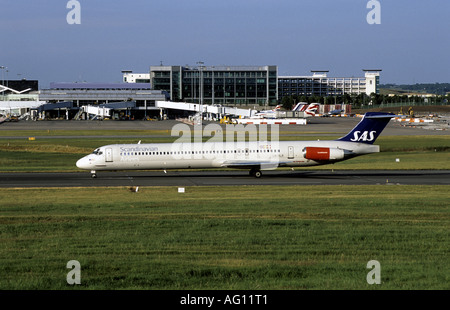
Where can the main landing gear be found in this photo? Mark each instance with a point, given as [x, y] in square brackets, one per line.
[255, 173]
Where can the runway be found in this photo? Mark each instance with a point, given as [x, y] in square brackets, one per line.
[225, 178]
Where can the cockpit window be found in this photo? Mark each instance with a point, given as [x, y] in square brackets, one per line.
[97, 152]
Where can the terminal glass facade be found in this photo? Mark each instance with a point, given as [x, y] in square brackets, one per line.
[218, 85]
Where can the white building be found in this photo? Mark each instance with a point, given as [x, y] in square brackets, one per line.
[130, 77]
[372, 81]
[319, 84]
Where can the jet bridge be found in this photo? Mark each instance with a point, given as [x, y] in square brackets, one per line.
[104, 110]
[209, 109]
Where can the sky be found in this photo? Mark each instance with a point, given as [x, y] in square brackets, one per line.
[411, 44]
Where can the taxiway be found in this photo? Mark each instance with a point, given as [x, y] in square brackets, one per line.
[226, 178]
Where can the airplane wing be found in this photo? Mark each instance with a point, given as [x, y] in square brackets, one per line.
[248, 164]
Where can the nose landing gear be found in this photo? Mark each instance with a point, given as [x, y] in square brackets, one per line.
[93, 174]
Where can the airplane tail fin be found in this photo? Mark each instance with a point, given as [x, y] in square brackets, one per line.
[309, 109]
[300, 107]
[369, 128]
[312, 109]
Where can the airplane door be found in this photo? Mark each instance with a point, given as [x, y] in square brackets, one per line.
[109, 155]
[290, 152]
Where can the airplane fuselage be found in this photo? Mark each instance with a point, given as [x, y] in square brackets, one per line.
[253, 155]
[218, 155]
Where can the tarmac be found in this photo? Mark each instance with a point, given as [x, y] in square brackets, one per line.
[315, 126]
[225, 178]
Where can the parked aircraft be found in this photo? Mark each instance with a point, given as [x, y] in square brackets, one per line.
[309, 109]
[335, 112]
[268, 113]
[254, 155]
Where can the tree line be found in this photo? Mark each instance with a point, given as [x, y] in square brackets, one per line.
[431, 88]
[361, 100]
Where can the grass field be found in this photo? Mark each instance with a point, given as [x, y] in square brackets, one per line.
[282, 237]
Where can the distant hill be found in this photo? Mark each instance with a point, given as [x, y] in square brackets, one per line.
[436, 88]
[418, 110]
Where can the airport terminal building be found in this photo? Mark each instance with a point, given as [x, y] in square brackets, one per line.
[19, 90]
[319, 84]
[134, 98]
[99, 93]
[217, 85]
[246, 86]
[226, 85]
[250, 85]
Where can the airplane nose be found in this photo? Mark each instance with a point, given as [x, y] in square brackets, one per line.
[83, 163]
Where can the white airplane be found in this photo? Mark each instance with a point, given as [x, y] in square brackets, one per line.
[255, 155]
[308, 109]
[335, 112]
[268, 113]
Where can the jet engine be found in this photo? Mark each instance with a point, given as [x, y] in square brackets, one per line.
[323, 153]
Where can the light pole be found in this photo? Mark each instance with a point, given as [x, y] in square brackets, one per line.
[201, 89]
[3, 68]
[201, 81]
[212, 82]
